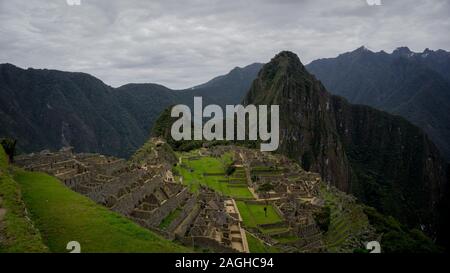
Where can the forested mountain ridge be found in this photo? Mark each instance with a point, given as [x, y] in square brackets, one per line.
[382, 159]
[413, 85]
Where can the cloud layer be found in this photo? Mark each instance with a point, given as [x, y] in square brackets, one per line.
[184, 43]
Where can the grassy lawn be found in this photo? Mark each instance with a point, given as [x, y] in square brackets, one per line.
[239, 192]
[17, 233]
[195, 173]
[287, 239]
[257, 246]
[272, 231]
[62, 215]
[168, 220]
[253, 214]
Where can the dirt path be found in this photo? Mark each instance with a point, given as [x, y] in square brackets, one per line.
[2, 213]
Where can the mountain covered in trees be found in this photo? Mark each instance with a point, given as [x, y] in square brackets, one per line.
[383, 159]
[413, 85]
[48, 109]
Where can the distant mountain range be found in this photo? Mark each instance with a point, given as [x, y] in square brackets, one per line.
[413, 85]
[383, 159]
[48, 109]
[117, 121]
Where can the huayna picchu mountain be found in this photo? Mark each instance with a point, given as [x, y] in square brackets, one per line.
[382, 159]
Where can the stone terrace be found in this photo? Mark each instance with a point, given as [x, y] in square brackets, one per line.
[149, 195]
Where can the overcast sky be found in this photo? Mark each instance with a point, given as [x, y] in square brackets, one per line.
[184, 43]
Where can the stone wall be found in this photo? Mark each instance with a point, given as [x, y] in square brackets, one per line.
[206, 242]
[167, 207]
[127, 203]
[186, 223]
[188, 208]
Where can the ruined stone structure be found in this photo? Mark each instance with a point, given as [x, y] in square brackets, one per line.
[215, 225]
[149, 195]
[146, 191]
[294, 195]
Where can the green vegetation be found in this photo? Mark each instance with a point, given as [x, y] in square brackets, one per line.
[266, 187]
[153, 152]
[397, 238]
[257, 246]
[346, 219]
[266, 171]
[254, 215]
[384, 159]
[17, 233]
[63, 216]
[274, 230]
[287, 239]
[162, 128]
[323, 218]
[169, 218]
[216, 174]
[9, 146]
[349, 218]
[210, 172]
[230, 169]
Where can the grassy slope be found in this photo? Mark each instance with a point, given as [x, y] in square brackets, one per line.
[17, 233]
[151, 153]
[257, 246]
[253, 214]
[211, 165]
[63, 215]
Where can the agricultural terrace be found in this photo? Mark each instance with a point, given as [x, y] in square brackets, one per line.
[195, 169]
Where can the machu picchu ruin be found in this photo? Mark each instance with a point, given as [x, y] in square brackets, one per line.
[222, 198]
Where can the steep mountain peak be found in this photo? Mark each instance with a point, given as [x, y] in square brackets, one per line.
[9, 67]
[360, 52]
[427, 50]
[284, 71]
[286, 54]
[402, 51]
[285, 62]
[362, 49]
[355, 148]
[286, 59]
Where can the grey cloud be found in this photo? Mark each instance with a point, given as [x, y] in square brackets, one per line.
[184, 43]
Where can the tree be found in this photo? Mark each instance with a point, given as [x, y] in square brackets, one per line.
[265, 189]
[230, 169]
[9, 145]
